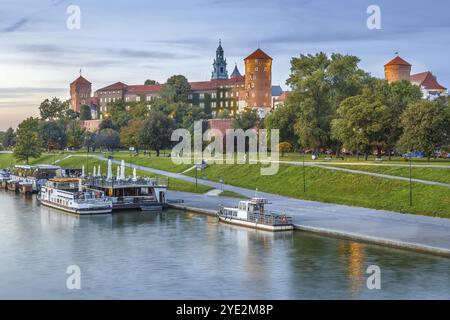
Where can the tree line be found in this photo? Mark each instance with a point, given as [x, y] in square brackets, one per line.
[334, 105]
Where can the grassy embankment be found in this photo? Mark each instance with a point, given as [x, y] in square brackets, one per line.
[431, 174]
[338, 187]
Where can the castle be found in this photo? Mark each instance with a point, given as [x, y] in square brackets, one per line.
[222, 92]
[398, 69]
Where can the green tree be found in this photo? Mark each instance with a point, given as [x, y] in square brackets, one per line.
[107, 124]
[118, 114]
[282, 118]
[53, 135]
[88, 140]
[156, 131]
[75, 135]
[426, 127]
[319, 84]
[28, 142]
[176, 89]
[129, 135]
[85, 113]
[149, 82]
[246, 120]
[9, 138]
[53, 109]
[360, 124]
[107, 138]
[396, 96]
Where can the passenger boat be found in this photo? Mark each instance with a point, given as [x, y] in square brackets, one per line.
[32, 178]
[12, 185]
[69, 195]
[147, 194]
[251, 213]
[26, 186]
[4, 177]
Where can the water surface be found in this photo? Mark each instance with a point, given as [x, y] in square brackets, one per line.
[177, 255]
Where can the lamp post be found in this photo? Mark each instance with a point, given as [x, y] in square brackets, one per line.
[410, 183]
[131, 149]
[303, 172]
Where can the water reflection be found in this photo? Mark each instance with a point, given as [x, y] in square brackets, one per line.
[180, 255]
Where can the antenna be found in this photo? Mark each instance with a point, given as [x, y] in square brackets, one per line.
[80, 72]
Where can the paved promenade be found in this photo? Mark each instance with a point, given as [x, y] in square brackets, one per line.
[421, 233]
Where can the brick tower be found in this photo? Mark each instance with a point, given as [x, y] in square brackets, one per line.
[80, 93]
[397, 70]
[258, 81]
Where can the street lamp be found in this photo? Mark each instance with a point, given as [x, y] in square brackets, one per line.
[303, 171]
[410, 183]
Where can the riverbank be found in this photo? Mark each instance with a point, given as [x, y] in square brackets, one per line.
[404, 231]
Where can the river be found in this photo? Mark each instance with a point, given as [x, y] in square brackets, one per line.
[178, 255]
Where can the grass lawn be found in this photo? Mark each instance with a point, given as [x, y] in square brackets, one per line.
[396, 160]
[7, 159]
[232, 194]
[431, 174]
[338, 187]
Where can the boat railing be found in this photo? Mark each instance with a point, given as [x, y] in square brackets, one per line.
[270, 218]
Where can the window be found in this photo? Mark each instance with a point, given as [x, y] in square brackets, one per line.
[213, 95]
[227, 94]
[202, 105]
[138, 98]
[221, 94]
[213, 104]
[190, 96]
[202, 96]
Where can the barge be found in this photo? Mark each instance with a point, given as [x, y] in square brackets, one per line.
[68, 194]
[147, 194]
[252, 214]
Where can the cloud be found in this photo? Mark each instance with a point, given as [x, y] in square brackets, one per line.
[17, 25]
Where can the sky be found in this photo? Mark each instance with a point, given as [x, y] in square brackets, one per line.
[135, 40]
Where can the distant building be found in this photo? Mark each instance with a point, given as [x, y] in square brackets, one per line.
[427, 82]
[280, 101]
[80, 93]
[221, 93]
[398, 69]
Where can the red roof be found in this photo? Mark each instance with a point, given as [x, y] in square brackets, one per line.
[258, 54]
[426, 80]
[145, 88]
[397, 61]
[114, 86]
[80, 80]
[214, 84]
[283, 96]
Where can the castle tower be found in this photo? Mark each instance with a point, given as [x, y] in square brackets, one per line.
[258, 80]
[397, 70]
[219, 65]
[80, 93]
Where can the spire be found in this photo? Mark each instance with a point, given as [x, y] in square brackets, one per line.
[220, 64]
[236, 72]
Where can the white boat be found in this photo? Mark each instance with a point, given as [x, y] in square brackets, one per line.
[251, 213]
[68, 194]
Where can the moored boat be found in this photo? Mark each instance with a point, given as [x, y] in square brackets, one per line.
[251, 213]
[69, 195]
[12, 185]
